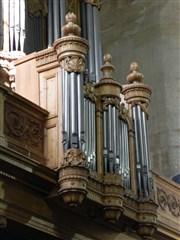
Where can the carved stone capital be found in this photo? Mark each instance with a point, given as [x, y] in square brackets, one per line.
[71, 49]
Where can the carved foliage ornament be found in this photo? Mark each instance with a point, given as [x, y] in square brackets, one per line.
[168, 201]
[110, 101]
[73, 64]
[23, 127]
[89, 92]
[75, 157]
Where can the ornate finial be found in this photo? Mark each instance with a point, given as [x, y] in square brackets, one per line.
[135, 76]
[71, 28]
[107, 68]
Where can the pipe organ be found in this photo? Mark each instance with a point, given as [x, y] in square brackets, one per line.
[104, 123]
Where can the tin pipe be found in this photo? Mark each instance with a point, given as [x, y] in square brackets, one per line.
[63, 11]
[80, 111]
[22, 25]
[56, 23]
[73, 110]
[94, 137]
[1, 25]
[66, 117]
[105, 140]
[17, 25]
[90, 38]
[138, 165]
[50, 23]
[11, 22]
[110, 137]
[97, 43]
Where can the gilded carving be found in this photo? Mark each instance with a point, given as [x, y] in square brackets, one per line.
[37, 7]
[23, 127]
[168, 201]
[75, 157]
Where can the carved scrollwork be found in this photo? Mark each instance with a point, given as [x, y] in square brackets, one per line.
[73, 64]
[23, 127]
[110, 101]
[168, 201]
[89, 92]
[75, 157]
[143, 106]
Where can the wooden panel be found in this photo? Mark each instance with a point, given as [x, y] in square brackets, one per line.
[51, 146]
[48, 91]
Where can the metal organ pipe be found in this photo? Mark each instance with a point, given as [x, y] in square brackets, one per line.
[50, 23]
[62, 12]
[56, 20]
[90, 37]
[1, 25]
[105, 138]
[80, 111]
[73, 110]
[22, 25]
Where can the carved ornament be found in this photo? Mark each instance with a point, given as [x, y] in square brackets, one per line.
[73, 177]
[75, 157]
[89, 92]
[96, 3]
[71, 49]
[22, 127]
[37, 8]
[106, 101]
[7, 70]
[73, 64]
[168, 202]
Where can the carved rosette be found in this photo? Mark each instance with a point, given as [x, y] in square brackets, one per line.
[113, 197]
[73, 177]
[137, 93]
[96, 3]
[147, 218]
[71, 49]
[107, 89]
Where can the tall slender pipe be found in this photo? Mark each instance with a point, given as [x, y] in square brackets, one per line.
[17, 24]
[56, 23]
[73, 110]
[1, 25]
[90, 37]
[22, 25]
[66, 117]
[138, 164]
[97, 43]
[105, 140]
[11, 29]
[62, 13]
[50, 23]
[80, 111]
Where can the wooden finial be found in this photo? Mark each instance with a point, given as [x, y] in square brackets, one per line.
[135, 76]
[71, 28]
[107, 68]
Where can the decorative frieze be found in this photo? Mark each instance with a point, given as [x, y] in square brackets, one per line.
[23, 128]
[168, 202]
